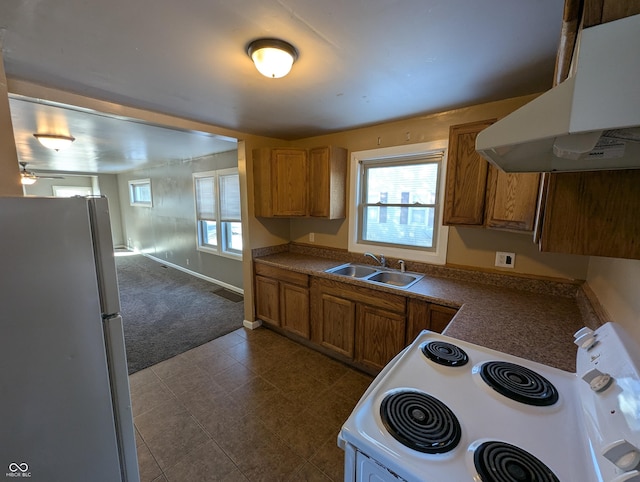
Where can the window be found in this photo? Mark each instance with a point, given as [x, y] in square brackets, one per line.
[396, 197]
[70, 191]
[140, 192]
[217, 195]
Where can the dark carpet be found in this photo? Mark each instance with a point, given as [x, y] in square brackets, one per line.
[167, 312]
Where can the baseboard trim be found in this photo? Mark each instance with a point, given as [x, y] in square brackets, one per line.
[235, 289]
[252, 325]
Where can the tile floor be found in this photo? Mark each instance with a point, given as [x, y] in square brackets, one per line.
[249, 406]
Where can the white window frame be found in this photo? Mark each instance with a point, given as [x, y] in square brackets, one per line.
[437, 255]
[133, 184]
[64, 191]
[222, 247]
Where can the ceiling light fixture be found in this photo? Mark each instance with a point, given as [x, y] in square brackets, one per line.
[273, 57]
[27, 178]
[54, 141]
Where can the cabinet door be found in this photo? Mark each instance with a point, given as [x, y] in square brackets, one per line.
[336, 324]
[593, 213]
[466, 176]
[511, 200]
[267, 300]
[417, 318]
[327, 182]
[440, 317]
[289, 170]
[422, 315]
[294, 309]
[380, 336]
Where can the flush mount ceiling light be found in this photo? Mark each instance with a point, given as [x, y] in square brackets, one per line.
[54, 141]
[273, 57]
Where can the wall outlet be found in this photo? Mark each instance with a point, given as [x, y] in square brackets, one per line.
[505, 260]
[312, 237]
[187, 261]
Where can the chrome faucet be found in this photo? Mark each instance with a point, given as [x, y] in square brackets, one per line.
[382, 261]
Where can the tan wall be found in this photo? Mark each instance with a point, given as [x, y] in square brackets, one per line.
[615, 283]
[469, 247]
[477, 247]
[9, 168]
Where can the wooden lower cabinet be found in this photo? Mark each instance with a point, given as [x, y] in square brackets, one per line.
[422, 315]
[282, 299]
[380, 336]
[267, 300]
[294, 309]
[361, 325]
[335, 324]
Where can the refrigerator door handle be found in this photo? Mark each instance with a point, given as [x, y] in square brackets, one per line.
[104, 256]
[120, 394]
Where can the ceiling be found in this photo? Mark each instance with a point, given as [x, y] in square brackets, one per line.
[361, 62]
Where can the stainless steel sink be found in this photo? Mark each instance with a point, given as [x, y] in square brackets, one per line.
[353, 270]
[382, 276]
[401, 280]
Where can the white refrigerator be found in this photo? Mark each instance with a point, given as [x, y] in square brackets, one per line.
[65, 406]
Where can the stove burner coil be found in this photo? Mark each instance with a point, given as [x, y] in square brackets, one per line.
[519, 383]
[420, 422]
[503, 462]
[444, 353]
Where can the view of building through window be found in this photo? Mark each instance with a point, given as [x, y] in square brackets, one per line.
[399, 201]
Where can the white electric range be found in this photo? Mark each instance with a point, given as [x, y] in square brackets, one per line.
[448, 410]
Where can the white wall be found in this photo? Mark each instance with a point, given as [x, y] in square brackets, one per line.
[616, 283]
[107, 184]
[167, 230]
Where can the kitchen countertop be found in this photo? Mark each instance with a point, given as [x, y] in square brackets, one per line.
[531, 325]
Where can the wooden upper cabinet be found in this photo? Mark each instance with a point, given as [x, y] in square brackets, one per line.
[466, 176]
[289, 178]
[603, 11]
[591, 213]
[327, 182]
[299, 182]
[478, 194]
[511, 200]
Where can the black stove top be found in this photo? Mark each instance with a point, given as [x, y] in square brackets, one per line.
[420, 421]
[444, 353]
[519, 383]
[502, 462]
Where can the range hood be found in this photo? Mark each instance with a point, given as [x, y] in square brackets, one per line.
[591, 121]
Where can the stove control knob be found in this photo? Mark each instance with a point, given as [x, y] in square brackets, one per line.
[628, 477]
[582, 331]
[624, 455]
[597, 380]
[585, 340]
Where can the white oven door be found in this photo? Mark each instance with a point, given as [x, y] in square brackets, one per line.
[369, 470]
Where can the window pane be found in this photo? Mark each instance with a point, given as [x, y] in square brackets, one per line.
[70, 191]
[208, 232]
[405, 183]
[413, 229]
[233, 236]
[230, 197]
[206, 198]
[140, 192]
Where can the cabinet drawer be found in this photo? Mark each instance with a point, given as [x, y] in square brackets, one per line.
[287, 276]
[379, 299]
